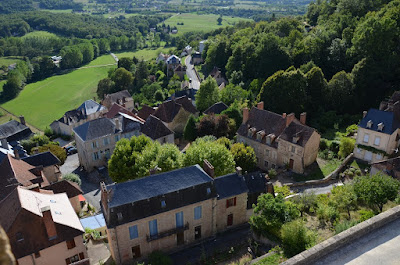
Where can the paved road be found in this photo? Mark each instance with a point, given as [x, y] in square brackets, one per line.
[191, 73]
[379, 247]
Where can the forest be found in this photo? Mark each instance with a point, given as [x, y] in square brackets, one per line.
[11, 6]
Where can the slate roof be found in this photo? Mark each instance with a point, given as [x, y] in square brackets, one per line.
[167, 111]
[90, 106]
[190, 93]
[72, 116]
[95, 129]
[230, 185]
[14, 131]
[294, 129]
[391, 124]
[71, 188]
[42, 159]
[215, 71]
[155, 128]
[145, 112]
[186, 104]
[115, 97]
[255, 182]
[173, 59]
[217, 108]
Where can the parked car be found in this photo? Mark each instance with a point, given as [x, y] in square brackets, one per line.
[71, 150]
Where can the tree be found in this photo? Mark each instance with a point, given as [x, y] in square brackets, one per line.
[244, 156]
[316, 87]
[219, 20]
[208, 94]
[345, 198]
[56, 150]
[123, 79]
[341, 92]
[72, 177]
[218, 155]
[11, 87]
[87, 52]
[71, 57]
[230, 93]
[169, 158]
[104, 87]
[346, 146]
[217, 125]
[296, 238]
[376, 190]
[126, 63]
[271, 213]
[33, 141]
[190, 131]
[234, 112]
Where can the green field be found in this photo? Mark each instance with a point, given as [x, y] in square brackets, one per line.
[194, 22]
[101, 60]
[145, 54]
[39, 34]
[9, 60]
[44, 101]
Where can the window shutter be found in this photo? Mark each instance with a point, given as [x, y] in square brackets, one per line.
[234, 201]
[67, 261]
[81, 256]
[227, 203]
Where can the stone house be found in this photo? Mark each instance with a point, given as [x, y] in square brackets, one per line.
[156, 130]
[45, 232]
[196, 58]
[180, 71]
[216, 108]
[162, 58]
[217, 75]
[89, 110]
[175, 113]
[145, 112]
[171, 210]
[390, 167]
[173, 61]
[48, 163]
[72, 189]
[122, 98]
[202, 45]
[378, 134]
[279, 140]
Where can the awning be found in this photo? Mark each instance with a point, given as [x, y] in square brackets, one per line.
[81, 198]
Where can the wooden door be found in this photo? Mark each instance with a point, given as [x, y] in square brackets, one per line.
[291, 162]
[197, 232]
[180, 239]
[230, 220]
[136, 252]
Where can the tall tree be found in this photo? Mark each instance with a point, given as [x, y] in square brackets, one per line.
[244, 156]
[208, 94]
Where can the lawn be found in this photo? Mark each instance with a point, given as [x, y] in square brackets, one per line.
[9, 60]
[319, 169]
[101, 60]
[195, 22]
[44, 101]
[145, 54]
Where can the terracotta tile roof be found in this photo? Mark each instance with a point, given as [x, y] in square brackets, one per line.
[117, 96]
[187, 104]
[145, 112]
[116, 109]
[155, 128]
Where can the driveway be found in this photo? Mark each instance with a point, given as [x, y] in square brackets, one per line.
[97, 251]
[191, 74]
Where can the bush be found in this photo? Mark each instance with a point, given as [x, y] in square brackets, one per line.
[272, 173]
[323, 144]
[351, 130]
[159, 258]
[346, 224]
[284, 190]
[35, 140]
[73, 177]
[58, 151]
[365, 215]
[296, 237]
[48, 132]
[334, 146]
[327, 213]
[346, 146]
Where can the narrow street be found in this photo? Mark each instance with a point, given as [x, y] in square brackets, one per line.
[191, 74]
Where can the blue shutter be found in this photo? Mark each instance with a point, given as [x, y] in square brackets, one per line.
[153, 227]
[197, 213]
[133, 232]
[179, 219]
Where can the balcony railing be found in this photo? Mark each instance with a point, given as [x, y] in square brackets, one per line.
[168, 232]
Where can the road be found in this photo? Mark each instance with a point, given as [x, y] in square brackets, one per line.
[378, 247]
[319, 189]
[191, 74]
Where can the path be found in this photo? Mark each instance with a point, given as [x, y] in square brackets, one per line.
[114, 56]
[191, 74]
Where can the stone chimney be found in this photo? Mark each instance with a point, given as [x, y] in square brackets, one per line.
[16, 154]
[303, 118]
[239, 171]
[106, 196]
[4, 143]
[270, 188]
[49, 223]
[260, 105]
[245, 115]
[289, 119]
[22, 120]
[365, 113]
[208, 168]
[117, 124]
[284, 115]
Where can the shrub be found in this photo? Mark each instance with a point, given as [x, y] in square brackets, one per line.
[323, 144]
[365, 215]
[346, 146]
[272, 173]
[296, 237]
[334, 146]
[35, 140]
[327, 213]
[346, 224]
[159, 258]
[73, 177]
[58, 151]
[48, 132]
[351, 130]
[284, 190]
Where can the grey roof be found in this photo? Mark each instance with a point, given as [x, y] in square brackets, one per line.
[294, 129]
[217, 108]
[90, 107]
[388, 118]
[95, 129]
[14, 130]
[230, 185]
[255, 182]
[155, 128]
[120, 95]
[155, 185]
[42, 159]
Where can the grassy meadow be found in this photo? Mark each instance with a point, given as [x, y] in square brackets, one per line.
[145, 54]
[101, 60]
[195, 22]
[9, 60]
[44, 101]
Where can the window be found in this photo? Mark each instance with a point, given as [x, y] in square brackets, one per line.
[231, 202]
[163, 204]
[133, 232]
[37, 255]
[377, 140]
[96, 156]
[116, 138]
[70, 243]
[136, 252]
[106, 141]
[378, 156]
[119, 216]
[358, 150]
[293, 149]
[179, 219]
[153, 227]
[197, 213]
[197, 232]
[266, 163]
[72, 259]
[366, 138]
[81, 256]
[107, 153]
[369, 124]
[94, 144]
[208, 191]
[266, 152]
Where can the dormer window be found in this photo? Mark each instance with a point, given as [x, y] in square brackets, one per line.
[296, 139]
[380, 126]
[270, 138]
[369, 124]
[260, 135]
[119, 215]
[251, 132]
[163, 204]
[208, 191]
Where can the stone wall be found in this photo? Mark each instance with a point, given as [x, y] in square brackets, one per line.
[6, 256]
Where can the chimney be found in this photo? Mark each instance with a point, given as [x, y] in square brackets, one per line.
[65, 119]
[16, 154]
[106, 196]
[260, 105]
[245, 115]
[4, 143]
[284, 115]
[117, 124]
[303, 118]
[270, 188]
[289, 119]
[208, 168]
[364, 113]
[49, 223]
[34, 187]
[22, 120]
[239, 171]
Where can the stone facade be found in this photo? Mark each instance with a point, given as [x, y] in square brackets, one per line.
[231, 212]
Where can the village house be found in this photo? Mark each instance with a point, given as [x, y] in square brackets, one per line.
[217, 75]
[14, 130]
[122, 98]
[73, 191]
[197, 58]
[145, 112]
[202, 45]
[378, 132]
[185, 92]
[89, 110]
[175, 113]
[162, 58]
[170, 210]
[173, 61]
[42, 228]
[48, 164]
[180, 71]
[95, 222]
[279, 140]
[156, 130]
[390, 167]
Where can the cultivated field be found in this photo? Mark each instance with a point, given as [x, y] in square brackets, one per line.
[44, 101]
[194, 22]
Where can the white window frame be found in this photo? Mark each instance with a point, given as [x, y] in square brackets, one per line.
[377, 139]
[366, 138]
